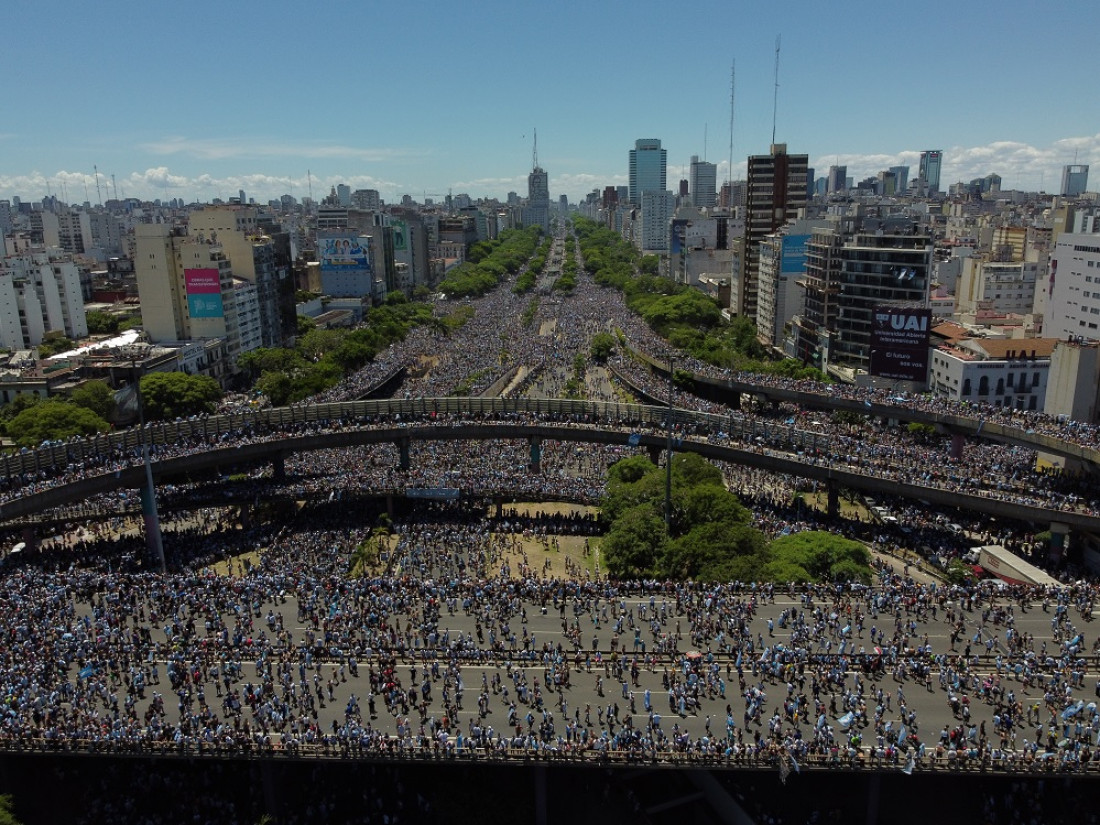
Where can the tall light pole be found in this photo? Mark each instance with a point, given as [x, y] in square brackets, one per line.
[668, 455]
[153, 543]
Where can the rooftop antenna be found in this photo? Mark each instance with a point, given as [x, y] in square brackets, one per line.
[733, 73]
[98, 193]
[775, 94]
[114, 185]
[309, 179]
[705, 126]
[535, 151]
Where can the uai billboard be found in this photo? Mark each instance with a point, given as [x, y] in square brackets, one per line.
[204, 293]
[899, 343]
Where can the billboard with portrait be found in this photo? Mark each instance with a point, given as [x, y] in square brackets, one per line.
[400, 236]
[204, 293]
[344, 252]
[900, 339]
[345, 262]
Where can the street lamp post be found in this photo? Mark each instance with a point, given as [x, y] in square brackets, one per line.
[153, 542]
[668, 455]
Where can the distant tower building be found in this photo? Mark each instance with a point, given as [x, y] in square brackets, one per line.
[1075, 180]
[901, 178]
[537, 212]
[931, 163]
[838, 180]
[648, 166]
[777, 190]
[343, 194]
[703, 180]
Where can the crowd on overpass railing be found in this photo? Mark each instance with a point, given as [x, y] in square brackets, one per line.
[993, 473]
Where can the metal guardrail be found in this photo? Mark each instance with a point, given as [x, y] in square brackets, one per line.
[390, 750]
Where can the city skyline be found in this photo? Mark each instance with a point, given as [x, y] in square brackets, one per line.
[234, 99]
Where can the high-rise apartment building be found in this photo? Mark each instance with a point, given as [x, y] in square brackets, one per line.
[188, 291]
[931, 164]
[367, 199]
[703, 183]
[853, 267]
[648, 168]
[1075, 180]
[39, 293]
[837, 180]
[657, 211]
[901, 178]
[259, 254]
[1073, 287]
[776, 191]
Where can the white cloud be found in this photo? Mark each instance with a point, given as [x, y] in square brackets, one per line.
[225, 148]
[1020, 165]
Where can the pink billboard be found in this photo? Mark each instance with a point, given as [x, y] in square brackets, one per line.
[202, 281]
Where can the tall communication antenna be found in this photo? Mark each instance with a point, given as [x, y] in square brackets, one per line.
[98, 194]
[114, 185]
[775, 94]
[733, 75]
[309, 180]
[535, 151]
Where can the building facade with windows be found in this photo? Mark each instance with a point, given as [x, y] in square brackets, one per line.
[777, 191]
[1073, 286]
[648, 169]
[1004, 372]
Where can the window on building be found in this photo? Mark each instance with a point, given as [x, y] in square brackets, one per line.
[966, 387]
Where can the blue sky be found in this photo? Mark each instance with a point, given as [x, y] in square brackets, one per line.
[197, 100]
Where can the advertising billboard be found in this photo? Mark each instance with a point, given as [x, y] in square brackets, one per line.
[794, 254]
[400, 236]
[899, 343]
[204, 293]
[345, 264]
[344, 252]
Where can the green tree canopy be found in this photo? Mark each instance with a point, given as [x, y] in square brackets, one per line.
[96, 396]
[102, 323]
[635, 543]
[824, 556]
[53, 420]
[168, 395]
[710, 528]
[602, 346]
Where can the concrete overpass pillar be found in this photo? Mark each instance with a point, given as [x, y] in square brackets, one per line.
[278, 466]
[498, 507]
[536, 454]
[403, 452]
[655, 451]
[29, 538]
[389, 507]
[833, 490]
[958, 442]
[734, 400]
[1059, 535]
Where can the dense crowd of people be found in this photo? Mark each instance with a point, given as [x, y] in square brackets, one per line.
[459, 643]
